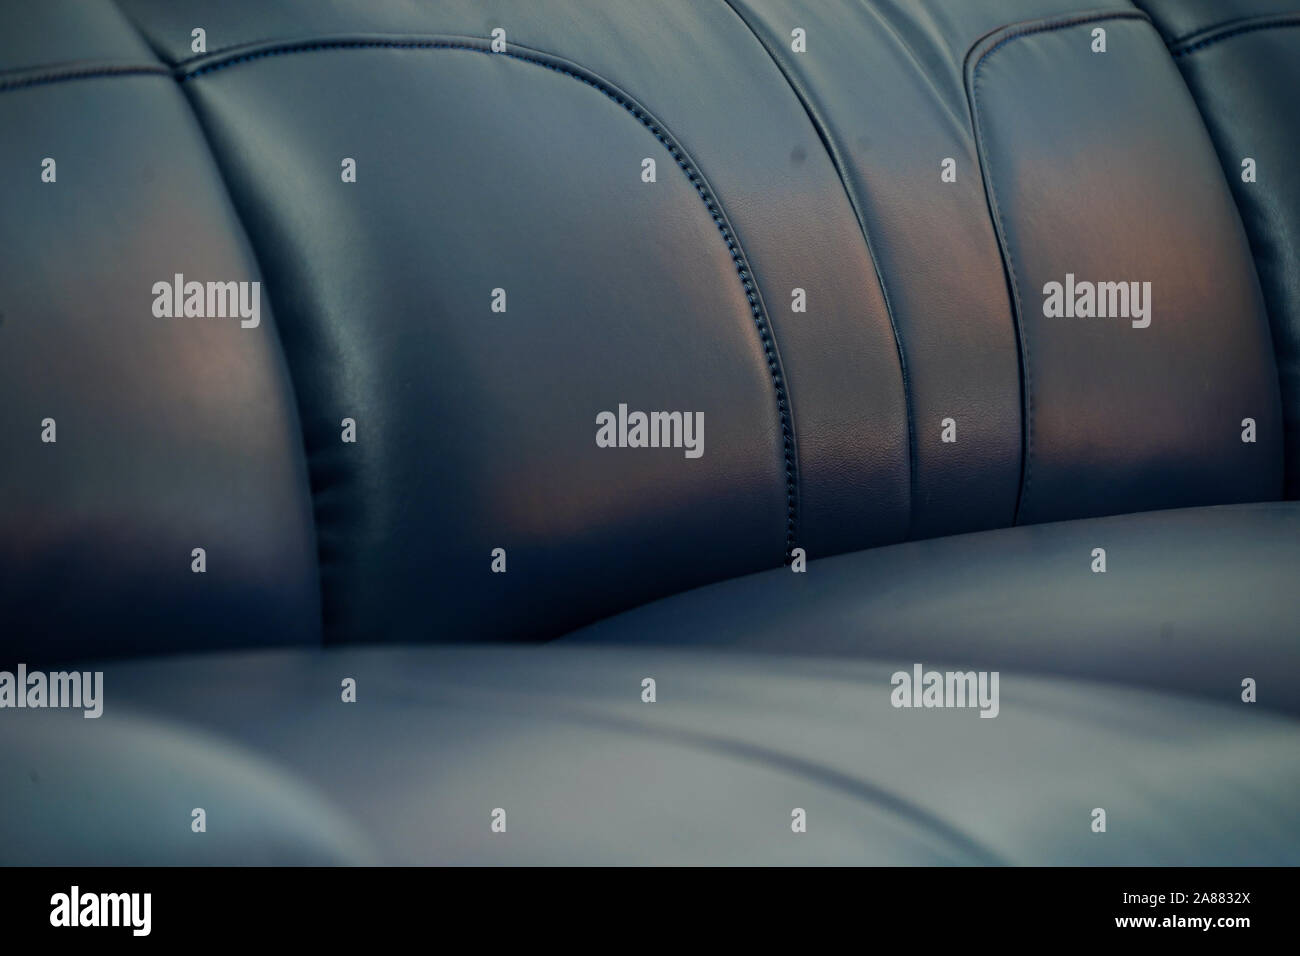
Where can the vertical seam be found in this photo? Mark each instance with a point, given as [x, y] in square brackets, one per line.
[833, 154]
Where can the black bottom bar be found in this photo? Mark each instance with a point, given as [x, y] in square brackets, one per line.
[374, 905]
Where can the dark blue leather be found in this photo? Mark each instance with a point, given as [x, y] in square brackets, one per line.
[932, 242]
[686, 324]
[1093, 176]
[1181, 21]
[1242, 63]
[828, 423]
[59, 33]
[171, 434]
[587, 774]
[1192, 601]
[476, 428]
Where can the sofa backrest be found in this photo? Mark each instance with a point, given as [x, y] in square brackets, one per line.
[1242, 63]
[832, 263]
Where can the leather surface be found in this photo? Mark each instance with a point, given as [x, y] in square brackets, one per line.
[933, 244]
[51, 32]
[713, 85]
[170, 434]
[1243, 73]
[1181, 20]
[1092, 176]
[588, 774]
[911, 322]
[476, 430]
[848, 458]
[1192, 602]
[148, 776]
[777, 170]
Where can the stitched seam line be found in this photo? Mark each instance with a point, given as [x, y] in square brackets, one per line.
[684, 163]
[86, 73]
[1235, 32]
[797, 87]
[997, 217]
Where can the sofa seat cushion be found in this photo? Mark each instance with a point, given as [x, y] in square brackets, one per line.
[1192, 601]
[587, 772]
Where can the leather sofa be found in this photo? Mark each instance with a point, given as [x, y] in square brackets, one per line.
[312, 316]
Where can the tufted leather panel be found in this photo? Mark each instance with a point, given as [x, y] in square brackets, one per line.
[477, 429]
[712, 84]
[1111, 433]
[932, 241]
[165, 434]
[1242, 63]
[1090, 179]
[1181, 21]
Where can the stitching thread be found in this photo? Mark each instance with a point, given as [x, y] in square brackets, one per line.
[679, 156]
[832, 151]
[85, 73]
[997, 216]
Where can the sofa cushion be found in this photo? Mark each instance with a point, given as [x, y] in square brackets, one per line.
[1242, 63]
[133, 435]
[585, 772]
[1192, 601]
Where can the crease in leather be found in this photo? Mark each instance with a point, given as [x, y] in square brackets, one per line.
[990, 46]
[767, 337]
[309, 473]
[837, 162]
[768, 757]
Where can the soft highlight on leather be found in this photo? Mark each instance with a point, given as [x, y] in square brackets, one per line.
[1192, 601]
[170, 434]
[1093, 176]
[590, 776]
[1242, 63]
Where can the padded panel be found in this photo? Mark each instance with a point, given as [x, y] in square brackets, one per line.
[932, 241]
[170, 434]
[1099, 171]
[1244, 77]
[477, 429]
[86, 33]
[588, 774]
[709, 81]
[1191, 602]
[1181, 20]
